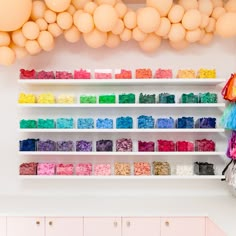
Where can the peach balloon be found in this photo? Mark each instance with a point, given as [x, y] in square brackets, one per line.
[119, 27]
[18, 38]
[14, 14]
[189, 4]
[113, 40]
[46, 40]
[72, 35]
[95, 38]
[207, 38]
[138, 35]
[148, 19]
[19, 51]
[217, 3]
[38, 9]
[230, 6]
[126, 35]
[84, 22]
[5, 39]
[204, 21]
[177, 32]
[225, 25]
[121, 9]
[109, 2]
[90, 7]
[79, 4]
[55, 30]
[76, 16]
[7, 56]
[71, 10]
[30, 30]
[58, 5]
[130, 20]
[64, 20]
[192, 19]
[205, 6]
[179, 45]
[32, 47]
[43, 25]
[161, 6]
[50, 16]
[193, 36]
[105, 17]
[151, 43]
[164, 27]
[211, 25]
[217, 12]
[176, 13]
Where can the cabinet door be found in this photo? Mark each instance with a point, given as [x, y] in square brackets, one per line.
[212, 229]
[25, 226]
[137, 226]
[102, 226]
[3, 226]
[58, 226]
[183, 226]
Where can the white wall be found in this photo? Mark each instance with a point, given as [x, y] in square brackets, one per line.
[85, 197]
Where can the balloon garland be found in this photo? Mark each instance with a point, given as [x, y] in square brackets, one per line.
[29, 27]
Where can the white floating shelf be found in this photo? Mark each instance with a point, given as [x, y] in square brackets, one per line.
[174, 81]
[155, 130]
[156, 105]
[122, 153]
[170, 177]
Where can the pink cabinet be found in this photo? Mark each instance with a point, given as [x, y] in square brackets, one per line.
[183, 226]
[59, 226]
[25, 226]
[102, 226]
[3, 226]
[212, 229]
[141, 226]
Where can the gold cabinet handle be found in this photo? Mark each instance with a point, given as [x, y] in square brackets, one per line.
[37, 222]
[115, 224]
[167, 223]
[128, 223]
[50, 222]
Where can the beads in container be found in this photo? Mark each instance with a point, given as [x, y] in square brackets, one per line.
[104, 145]
[28, 168]
[104, 123]
[124, 122]
[45, 75]
[206, 73]
[66, 99]
[147, 98]
[28, 124]
[46, 124]
[145, 122]
[205, 145]
[85, 123]
[187, 74]
[189, 98]
[28, 145]
[165, 145]
[144, 146]
[83, 169]
[64, 169]
[65, 123]
[124, 145]
[64, 75]
[88, 99]
[206, 123]
[204, 168]
[166, 98]
[47, 145]
[163, 74]
[26, 98]
[47, 98]
[123, 74]
[65, 146]
[122, 168]
[127, 98]
[46, 168]
[82, 74]
[142, 168]
[102, 169]
[143, 73]
[84, 146]
[185, 123]
[184, 169]
[184, 146]
[103, 74]
[208, 97]
[164, 123]
[107, 99]
[161, 168]
[27, 74]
